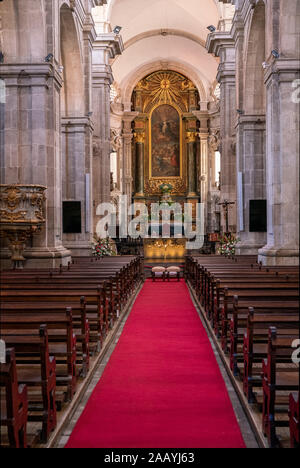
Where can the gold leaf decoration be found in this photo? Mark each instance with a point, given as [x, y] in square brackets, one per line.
[153, 186]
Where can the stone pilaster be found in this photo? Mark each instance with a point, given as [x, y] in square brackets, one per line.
[282, 164]
[221, 45]
[106, 47]
[76, 135]
[251, 137]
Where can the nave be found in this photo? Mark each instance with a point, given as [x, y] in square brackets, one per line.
[168, 381]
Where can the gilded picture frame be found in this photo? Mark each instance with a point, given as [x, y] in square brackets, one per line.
[180, 144]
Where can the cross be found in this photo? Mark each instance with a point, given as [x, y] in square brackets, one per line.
[225, 205]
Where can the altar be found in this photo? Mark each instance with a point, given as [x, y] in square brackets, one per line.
[165, 249]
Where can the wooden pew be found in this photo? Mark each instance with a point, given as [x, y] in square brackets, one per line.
[36, 369]
[277, 383]
[238, 324]
[14, 405]
[235, 299]
[61, 341]
[80, 323]
[256, 344]
[93, 298]
[294, 420]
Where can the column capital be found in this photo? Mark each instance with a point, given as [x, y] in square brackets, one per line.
[140, 137]
[191, 137]
[130, 116]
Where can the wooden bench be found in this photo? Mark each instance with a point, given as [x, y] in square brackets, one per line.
[277, 384]
[61, 341]
[236, 298]
[36, 369]
[255, 346]
[80, 323]
[238, 324]
[14, 404]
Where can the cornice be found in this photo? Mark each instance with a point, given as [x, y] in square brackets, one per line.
[113, 43]
[217, 41]
[285, 68]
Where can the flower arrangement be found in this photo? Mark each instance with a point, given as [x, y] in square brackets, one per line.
[166, 188]
[228, 244]
[103, 248]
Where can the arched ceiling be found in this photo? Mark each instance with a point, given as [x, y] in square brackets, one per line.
[156, 31]
[138, 16]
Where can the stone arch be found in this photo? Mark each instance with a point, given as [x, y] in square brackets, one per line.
[23, 30]
[137, 75]
[254, 89]
[72, 96]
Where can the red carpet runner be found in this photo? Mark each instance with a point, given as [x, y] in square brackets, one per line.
[162, 387]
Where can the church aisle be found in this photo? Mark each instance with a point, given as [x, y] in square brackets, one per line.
[162, 387]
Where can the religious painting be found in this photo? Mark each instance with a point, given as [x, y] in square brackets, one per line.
[165, 142]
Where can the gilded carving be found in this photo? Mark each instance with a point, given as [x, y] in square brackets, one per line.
[153, 186]
[191, 137]
[164, 87]
[6, 217]
[140, 137]
[164, 101]
[21, 216]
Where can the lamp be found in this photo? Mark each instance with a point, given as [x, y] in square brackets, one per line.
[211, 28]
[49, 58]
[117, 29]
[275, 53]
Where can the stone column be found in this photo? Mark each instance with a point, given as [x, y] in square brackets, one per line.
[31, 155]
[140, 164]
[107, 46]
[282, 164]
[127, 136]
[192, 164]
[222, 45]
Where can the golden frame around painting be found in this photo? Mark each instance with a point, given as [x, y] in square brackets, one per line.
[170, 178]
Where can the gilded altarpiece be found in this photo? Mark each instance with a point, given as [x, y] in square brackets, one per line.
[165, 101]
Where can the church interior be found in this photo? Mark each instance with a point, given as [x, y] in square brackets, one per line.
[149, 225]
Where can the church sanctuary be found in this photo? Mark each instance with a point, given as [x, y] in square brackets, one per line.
[149, 226]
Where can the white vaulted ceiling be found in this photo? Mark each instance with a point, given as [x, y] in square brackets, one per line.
[170, 32]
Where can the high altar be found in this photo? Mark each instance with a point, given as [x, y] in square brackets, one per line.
[166, 149]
